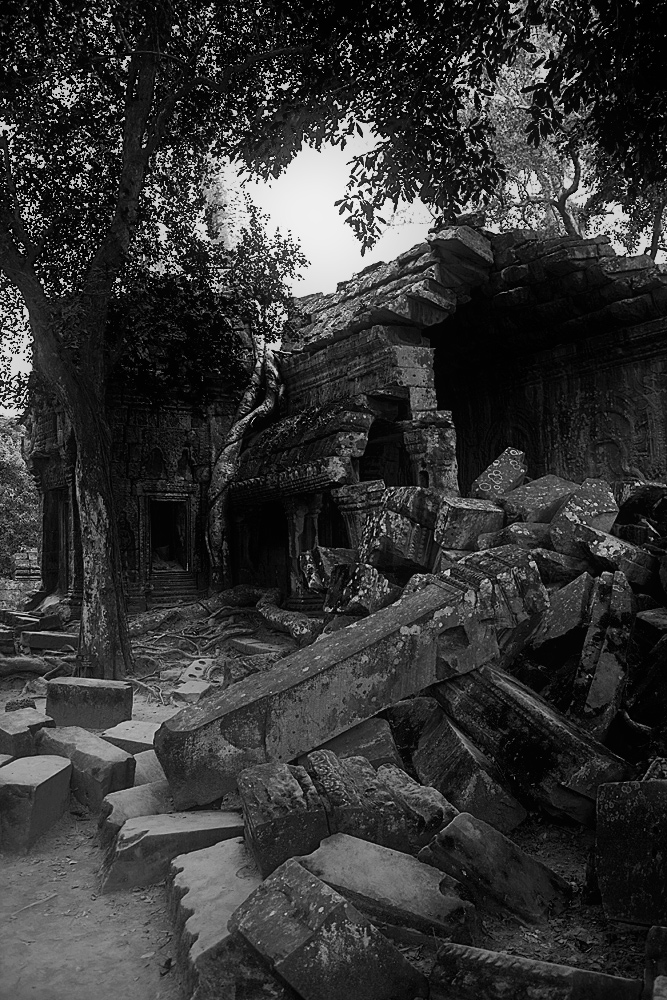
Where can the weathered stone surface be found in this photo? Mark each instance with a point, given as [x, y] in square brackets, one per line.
[659, 988]
[50, 640]
[393, 888]
[146, 845]
[408, 719]
[630, 864]
[326, 559]
[312, 695]
[557, 568]
[141, 800]
[192, 691]
[97, 767]
[592, 503]
[461, 520]
[399, 534]
[208, 885]
[607, 551]
[551, 761]
[93, 704]
[448, 761]
[148, 768]
[356, 800]
[34, 794]
[526, 534]
[365, 590]
[5, 758]
[506, 473]
[283, 812]
[497, 874]
[426, 809]
[18, 731]
[371, 739]
[303, 629]
[602, 672]
[539, 500]
[318, 943]
[132, 735]
[568, 610]
[474, 973]
[657, 770]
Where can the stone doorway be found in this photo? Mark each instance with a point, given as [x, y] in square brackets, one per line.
[169, 536]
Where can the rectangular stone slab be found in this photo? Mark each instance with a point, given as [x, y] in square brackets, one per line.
[148, 768]
[311, 696]
[50, 640]
[630, 859]
[392, 887]
[497, 874]
[84, 701]
[207, 886]
[474, 973]
[319, 944]
[547, 757]
[146, 845]
[97, 767]
[141, 800]
[18, 730]
[34, 794]
[132, 735]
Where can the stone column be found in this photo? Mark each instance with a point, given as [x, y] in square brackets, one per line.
[355, 502]
[430, 439]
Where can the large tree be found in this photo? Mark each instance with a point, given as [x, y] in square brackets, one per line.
[109, 113]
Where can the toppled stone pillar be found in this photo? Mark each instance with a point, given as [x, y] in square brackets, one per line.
[506, 473]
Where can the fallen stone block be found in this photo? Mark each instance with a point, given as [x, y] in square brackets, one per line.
[34, 794]
[90, 703]
[319, 944]
[538, 500]
[207, 887]
[568, 610]
[630, 864]
[506, 473]
[497, 874]
[554, 567]
[50, 640]
[449, 762]
[19, 729]
[399, 534]
[602, 673]
[371, 739]
[314, 694]
[147, 768]
[132, 735]
[527, 535]
[327, 559]
[462, 519]
[472, 973]
[591, 503]
[97, 767]
[7, 641]
[426, 810]
[657, 770]
[365, 590]
[408, 720]
[283, 812]
[141, 800]
[192, 691]
[607, 551]
[146, 845]
[551, 761]
[301, 628]
[393, 888]
[659, 988]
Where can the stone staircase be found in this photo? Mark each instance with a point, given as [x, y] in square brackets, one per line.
[169, 587]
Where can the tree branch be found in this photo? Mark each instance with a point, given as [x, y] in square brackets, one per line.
[18, 226]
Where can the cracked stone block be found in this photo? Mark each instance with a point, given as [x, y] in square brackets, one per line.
[146, 845]
[97, 767]
[141, 800]
[399, 534]
[426, 809]
[451, 763]
[462, 519]
[89, 703]
[474, 973]
[630, 862]
[393, 888]
[133, 735]
[148, 768]
[568, 610]
[497, 874]
[551, 761]
[602, 672]
[207, 886]
[506, 473]
[371, 739]
[538, 500]
[283, 812]
[592, 504]
[526, 534]
[19, 729]
[319, 944]
[192, 691]
[34, 794]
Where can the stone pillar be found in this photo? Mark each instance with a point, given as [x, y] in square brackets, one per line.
[430, 439]
[355, 502]
[302, 513]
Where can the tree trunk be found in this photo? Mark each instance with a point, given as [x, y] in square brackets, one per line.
[656, 229]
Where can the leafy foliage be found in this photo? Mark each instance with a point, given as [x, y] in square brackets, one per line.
[19, 503]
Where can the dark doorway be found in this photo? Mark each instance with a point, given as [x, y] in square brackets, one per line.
[259, 547]
[386, 456]
[169, 547]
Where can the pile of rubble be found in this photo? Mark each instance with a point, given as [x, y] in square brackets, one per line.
[340, 820]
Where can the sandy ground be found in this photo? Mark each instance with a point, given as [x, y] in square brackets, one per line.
[61, 939]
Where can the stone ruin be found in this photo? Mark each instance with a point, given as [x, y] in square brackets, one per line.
[479, 630]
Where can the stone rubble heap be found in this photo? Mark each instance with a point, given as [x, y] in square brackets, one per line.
[483, 657]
